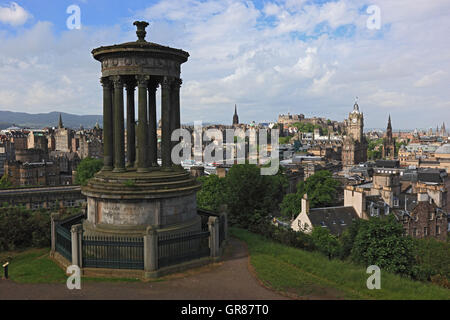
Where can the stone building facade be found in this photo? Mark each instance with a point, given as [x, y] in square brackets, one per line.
[63, 137]
[425, 220]
[32, 173]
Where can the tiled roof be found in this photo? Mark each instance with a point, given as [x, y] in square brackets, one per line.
[336, 219]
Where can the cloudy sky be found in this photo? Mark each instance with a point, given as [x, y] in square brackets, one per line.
[268, 57]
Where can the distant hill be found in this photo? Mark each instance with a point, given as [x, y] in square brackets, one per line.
[4, 125]
[41, 120]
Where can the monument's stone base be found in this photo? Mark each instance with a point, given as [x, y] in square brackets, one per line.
[127, 203]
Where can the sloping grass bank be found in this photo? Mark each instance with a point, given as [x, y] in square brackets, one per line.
[311, 275]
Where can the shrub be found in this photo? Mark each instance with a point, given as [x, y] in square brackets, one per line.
[380, 242]
[22, 228]
[86, 170]
[325, 242]
[283, 235]
[433, 257]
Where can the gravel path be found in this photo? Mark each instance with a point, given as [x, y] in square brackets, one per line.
[230, 279]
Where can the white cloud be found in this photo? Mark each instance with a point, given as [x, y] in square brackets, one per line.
[430, 79]
[266, 60]
[13, 14]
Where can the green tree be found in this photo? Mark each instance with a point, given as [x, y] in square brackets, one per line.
[291, 205]
[284, 140]
[211, 195]
[380, 241]
[86, 170]
[325, 242]
[4, 182]
[250, 195]
[374, 149]
[321, 189]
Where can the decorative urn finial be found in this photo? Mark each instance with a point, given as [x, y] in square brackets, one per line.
[141, 25]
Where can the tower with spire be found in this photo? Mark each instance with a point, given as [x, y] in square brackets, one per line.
[443, 130]
[60, 123]
[388, 151]
[235, 117]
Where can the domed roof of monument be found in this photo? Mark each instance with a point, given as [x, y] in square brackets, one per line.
[445, 148]
[139, 46]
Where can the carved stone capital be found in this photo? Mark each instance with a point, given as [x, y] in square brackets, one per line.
[106, 82]
[142, 80]
[166, 83]
[177, 83]
[117, 81]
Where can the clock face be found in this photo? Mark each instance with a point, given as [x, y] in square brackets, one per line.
[354, 120]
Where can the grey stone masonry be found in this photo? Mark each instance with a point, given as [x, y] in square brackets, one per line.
[151, 249]
[214, 245]
[55, 217]
[76, 235]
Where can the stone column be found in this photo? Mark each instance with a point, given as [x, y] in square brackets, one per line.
[175, 108]
[131, 135]
[153, 137]
[142, 166]
[176, 103]
[151, 249]
[214, 245]
[107, 125]
[165, 120]
[119, 149]
[55, 217]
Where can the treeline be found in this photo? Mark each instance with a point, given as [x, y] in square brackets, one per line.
[23, 228]
[251, 200]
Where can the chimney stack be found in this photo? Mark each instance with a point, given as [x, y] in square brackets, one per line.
[305, 204]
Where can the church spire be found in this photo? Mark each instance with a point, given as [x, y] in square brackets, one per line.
[60, 123]
[235, 116]
[389, 129]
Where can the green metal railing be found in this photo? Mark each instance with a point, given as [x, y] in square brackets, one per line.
[113, 252]
[63, 243]
[182, 247]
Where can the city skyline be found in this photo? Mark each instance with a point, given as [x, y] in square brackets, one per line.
[310, 57]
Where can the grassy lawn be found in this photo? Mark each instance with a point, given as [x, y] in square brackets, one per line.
[35, 266]
[310, 274]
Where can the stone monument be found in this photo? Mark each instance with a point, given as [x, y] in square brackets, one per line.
[132, 192]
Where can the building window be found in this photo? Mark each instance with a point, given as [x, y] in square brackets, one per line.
[415, 232]
[438, 230]
[425, 231]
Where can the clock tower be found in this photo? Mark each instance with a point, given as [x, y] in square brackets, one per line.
[356, 123]
[354, 149]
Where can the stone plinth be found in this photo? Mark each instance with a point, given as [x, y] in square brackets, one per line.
[128, 203]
